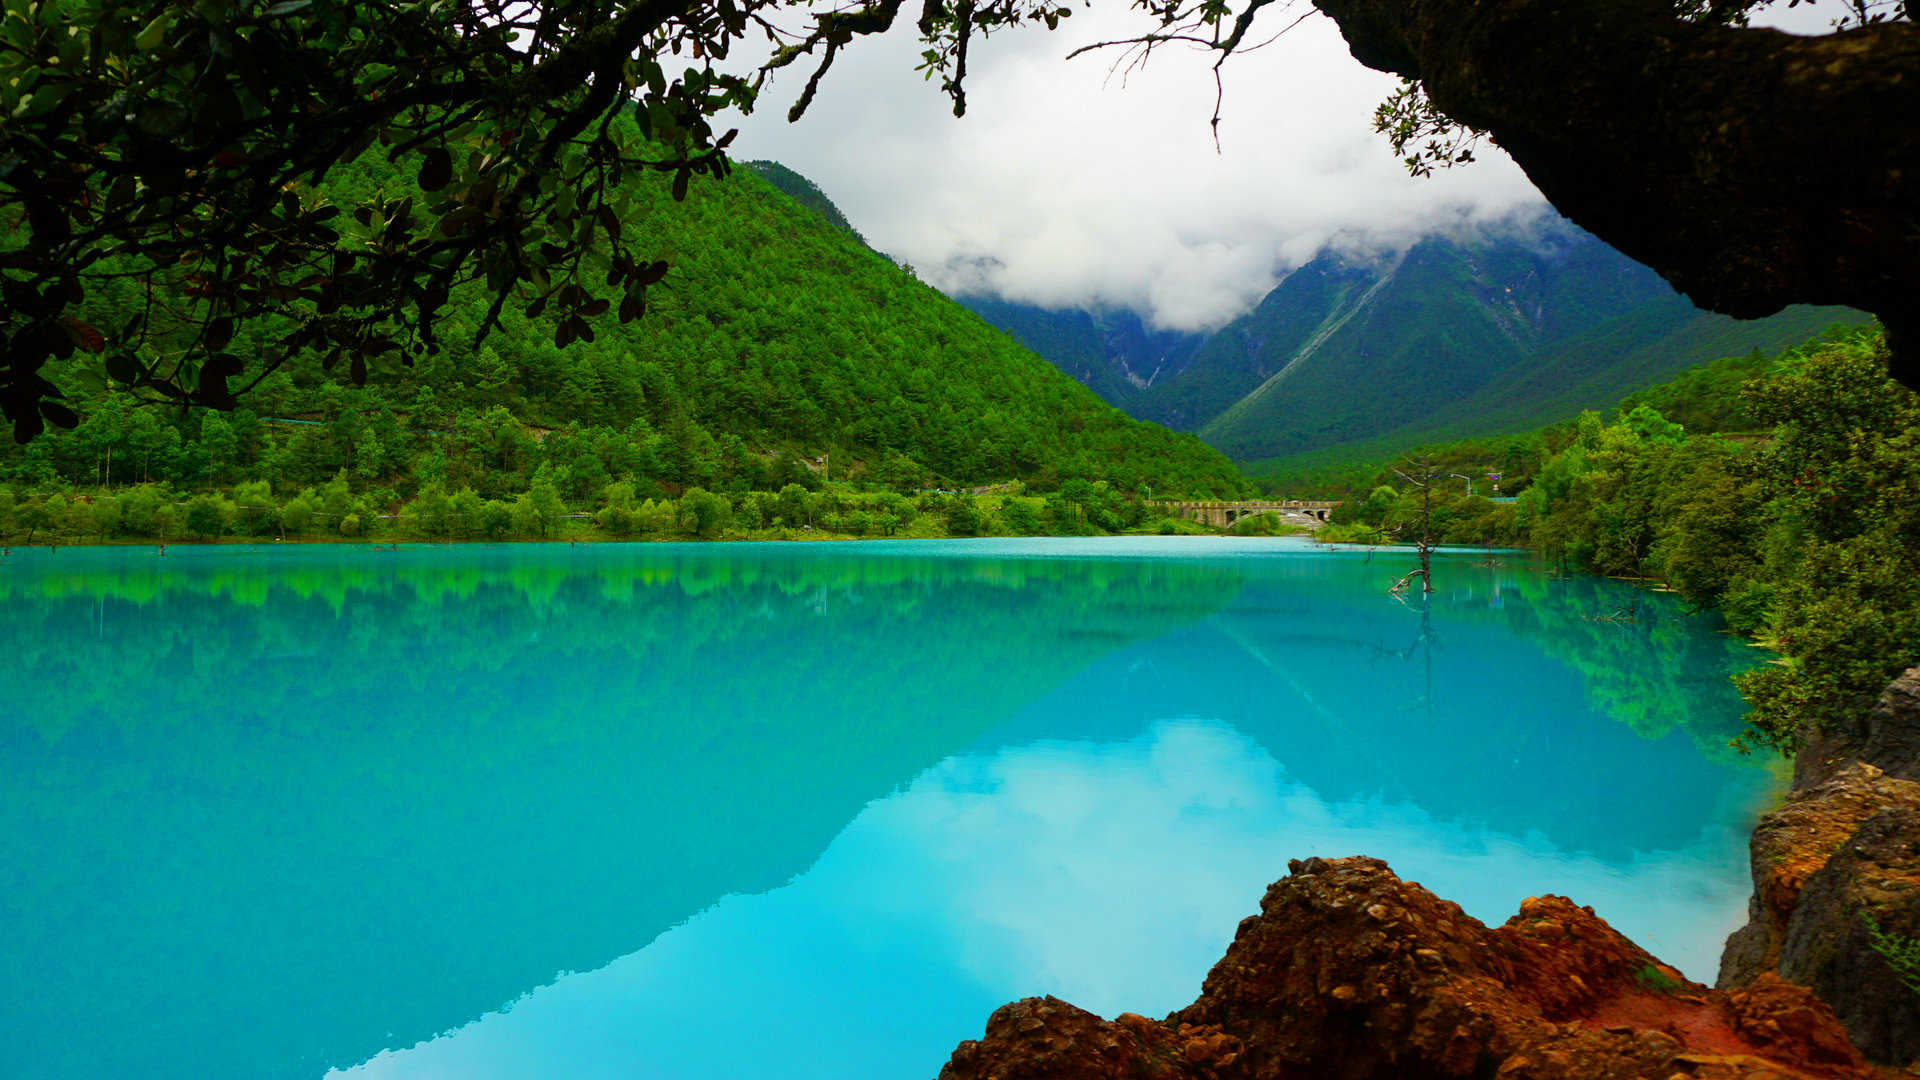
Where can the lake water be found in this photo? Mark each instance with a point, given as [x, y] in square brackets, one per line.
[776, 811]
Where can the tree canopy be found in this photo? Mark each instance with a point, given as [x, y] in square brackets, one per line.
[161, 163]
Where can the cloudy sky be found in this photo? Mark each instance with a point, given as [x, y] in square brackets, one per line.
[1068, 185]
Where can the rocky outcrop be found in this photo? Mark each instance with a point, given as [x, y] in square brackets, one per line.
[1887, 738]
[1836, 877]
[1350, 972]
[1869, 889]
[1791, 846]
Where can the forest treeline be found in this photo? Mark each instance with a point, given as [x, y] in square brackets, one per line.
[778, 351]
[334, 510]
[1789, 500]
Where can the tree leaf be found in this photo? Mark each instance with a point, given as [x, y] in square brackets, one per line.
[59, 414]
[150, 38]
[125, 368]
[436, 169]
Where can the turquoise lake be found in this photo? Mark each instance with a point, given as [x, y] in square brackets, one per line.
[790, 810]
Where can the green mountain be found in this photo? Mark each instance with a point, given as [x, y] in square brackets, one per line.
[1706, 399]
[1456, 339]
[777, 343]
[1114, 353]
[805, 192]
[1350, 358]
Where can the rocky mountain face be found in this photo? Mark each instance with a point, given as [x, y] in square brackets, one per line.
[1350, 972]
[1836, 878]
[1452, 337]
[1114, 353]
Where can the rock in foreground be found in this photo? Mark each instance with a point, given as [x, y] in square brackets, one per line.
[1836, 877]
[1349, 972]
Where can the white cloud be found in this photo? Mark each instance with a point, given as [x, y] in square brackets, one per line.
[1069, 185]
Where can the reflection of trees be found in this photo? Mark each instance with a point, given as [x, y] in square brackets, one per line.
[1657, 673]
[1499, 703]
[1422, 644]
[303, 799]
[182, 634]
[1660, 671]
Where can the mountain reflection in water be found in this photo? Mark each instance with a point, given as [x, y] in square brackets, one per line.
[269, 812]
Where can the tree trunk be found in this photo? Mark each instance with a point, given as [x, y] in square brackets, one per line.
[1751, 168]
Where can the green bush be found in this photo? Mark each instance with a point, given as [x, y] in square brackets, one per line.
[1357, 533]
[1652, 978]
[1265, 525]
[207, 516]
[962, 519]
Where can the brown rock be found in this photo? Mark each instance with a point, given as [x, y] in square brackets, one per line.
[1872, 883]
[1554, 993]
[1838, 861]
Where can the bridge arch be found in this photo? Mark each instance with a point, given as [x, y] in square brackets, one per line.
[1222, 514]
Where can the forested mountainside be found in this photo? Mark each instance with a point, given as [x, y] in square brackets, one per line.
[1459, 340]
[1716, 399]
[805, 192]
[776, 340]
[1114, 353]
[1449, 339]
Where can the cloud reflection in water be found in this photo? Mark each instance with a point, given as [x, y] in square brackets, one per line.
[1109, 874]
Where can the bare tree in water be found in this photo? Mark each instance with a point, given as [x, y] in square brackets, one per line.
[1421, 477]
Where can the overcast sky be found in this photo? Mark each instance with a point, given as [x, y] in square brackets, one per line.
[1066, 185]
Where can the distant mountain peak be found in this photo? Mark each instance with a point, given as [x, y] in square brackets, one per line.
[1461, 332]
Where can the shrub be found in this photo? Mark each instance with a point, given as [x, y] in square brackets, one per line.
[962, 518]
[617, 520]
[207, 516]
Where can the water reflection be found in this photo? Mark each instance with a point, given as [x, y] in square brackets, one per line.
[1110, 874]
[267, 812]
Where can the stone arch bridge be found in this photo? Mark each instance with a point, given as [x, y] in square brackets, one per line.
[1222, 514]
